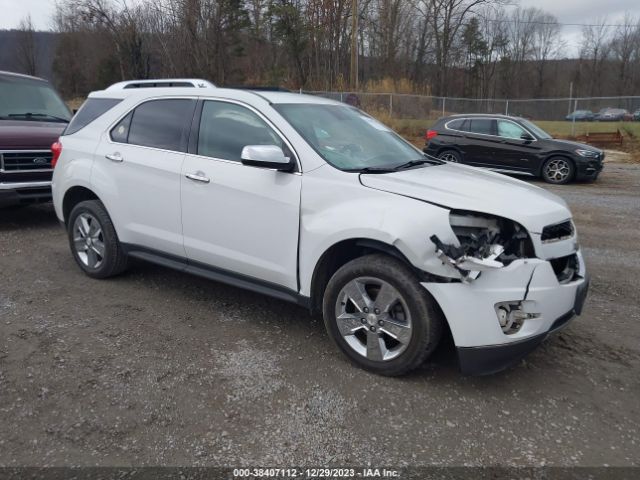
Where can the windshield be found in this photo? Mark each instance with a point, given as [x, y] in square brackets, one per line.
[348, 138]
[34, 100]
[537, 131]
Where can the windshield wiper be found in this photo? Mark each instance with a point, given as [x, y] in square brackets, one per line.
[38, 115]
[374, 170]
[414, 163]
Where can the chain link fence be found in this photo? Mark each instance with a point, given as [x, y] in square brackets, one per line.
[405, 106]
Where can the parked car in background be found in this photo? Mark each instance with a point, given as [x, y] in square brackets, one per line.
[613, 115]
[511, 145]
[580, 116]
[32, 117]
[315, 202]
[636, 115]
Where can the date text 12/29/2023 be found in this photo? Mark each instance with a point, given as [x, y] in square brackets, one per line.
[315, 473]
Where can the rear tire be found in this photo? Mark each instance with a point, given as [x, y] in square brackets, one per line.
[94, 242]
[379, 315]
[558, 170]
[450, 156]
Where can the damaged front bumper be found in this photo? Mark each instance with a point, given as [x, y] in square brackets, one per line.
[472, 311]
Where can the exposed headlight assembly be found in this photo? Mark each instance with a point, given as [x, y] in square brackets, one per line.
[587, 153]
[486, 242]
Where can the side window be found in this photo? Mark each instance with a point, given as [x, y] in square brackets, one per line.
[484, 126]
[457, 125]
[159, 124]
[509, 129]
[90, 110]
[226, 128]
[120, 133]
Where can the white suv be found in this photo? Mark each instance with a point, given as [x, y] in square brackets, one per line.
[315, 202]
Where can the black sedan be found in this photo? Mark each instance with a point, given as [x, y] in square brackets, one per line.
[512, 145]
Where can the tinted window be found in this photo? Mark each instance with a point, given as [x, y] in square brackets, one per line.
[457, 125]
[226, 128]
[482, 125]
[162, 124]
[509, 129]
[120, 133]
[90, 110]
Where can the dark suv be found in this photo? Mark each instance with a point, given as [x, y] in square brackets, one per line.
[32, 117]
[512, 145]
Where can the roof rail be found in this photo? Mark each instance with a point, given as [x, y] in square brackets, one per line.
[163, 83]
[259, 88]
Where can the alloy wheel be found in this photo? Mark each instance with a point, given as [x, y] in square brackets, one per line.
[88, 240]
[449, 157]
[373, 318]
[557, 170]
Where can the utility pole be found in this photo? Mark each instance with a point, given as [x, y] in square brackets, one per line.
[570, 97]
[354, 45]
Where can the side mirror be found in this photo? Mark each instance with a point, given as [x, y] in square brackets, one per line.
[527, 137]
[266, 156]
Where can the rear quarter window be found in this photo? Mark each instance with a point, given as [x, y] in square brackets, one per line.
[90, 110]
[459, 125]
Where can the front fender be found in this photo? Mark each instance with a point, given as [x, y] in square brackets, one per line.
[336, 207]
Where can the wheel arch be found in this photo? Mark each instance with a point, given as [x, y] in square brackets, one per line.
[73, 196]
[339, 254]
[453, 148]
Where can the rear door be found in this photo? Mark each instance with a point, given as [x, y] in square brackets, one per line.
[480, 141]
[238, 218]
[137, 172]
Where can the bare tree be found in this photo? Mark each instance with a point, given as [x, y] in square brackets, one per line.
[594, 51]
[27, 49]
[625, 46]
[546, 45]
[446, 18]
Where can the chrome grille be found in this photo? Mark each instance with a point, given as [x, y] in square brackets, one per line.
[25, 161]
[559, 231]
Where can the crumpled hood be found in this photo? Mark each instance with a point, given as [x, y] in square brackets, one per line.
[467, 188]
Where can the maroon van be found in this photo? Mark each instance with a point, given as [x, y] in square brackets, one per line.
[32, 117]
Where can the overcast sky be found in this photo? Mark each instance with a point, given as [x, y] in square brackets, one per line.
[567, 11]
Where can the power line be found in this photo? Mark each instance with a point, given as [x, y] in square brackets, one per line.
[561, 24]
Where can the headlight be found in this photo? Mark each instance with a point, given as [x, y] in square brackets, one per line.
[476, 233]
[486, 242]
[587, 153]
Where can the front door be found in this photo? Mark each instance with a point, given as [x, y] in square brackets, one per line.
[512, 152]
[238, 218]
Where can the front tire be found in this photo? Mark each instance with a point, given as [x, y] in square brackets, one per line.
[379, 315]
[94, 242]
[558, 170]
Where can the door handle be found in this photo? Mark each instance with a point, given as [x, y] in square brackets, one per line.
[114, 157]
[198, 177]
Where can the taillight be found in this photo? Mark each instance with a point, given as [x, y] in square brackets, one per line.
[56, 150]
[430, 134]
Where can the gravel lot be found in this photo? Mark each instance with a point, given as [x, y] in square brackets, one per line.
[161, 368]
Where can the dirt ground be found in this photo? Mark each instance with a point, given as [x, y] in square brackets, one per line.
[161, 368]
